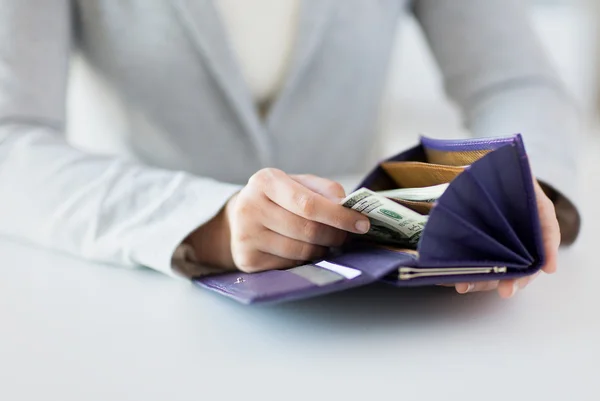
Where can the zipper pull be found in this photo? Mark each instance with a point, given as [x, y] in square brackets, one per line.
[408, 273]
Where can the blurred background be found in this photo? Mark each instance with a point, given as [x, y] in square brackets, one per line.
[414, 101]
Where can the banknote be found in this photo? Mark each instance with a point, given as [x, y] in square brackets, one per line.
[390, 221]
[425, 194]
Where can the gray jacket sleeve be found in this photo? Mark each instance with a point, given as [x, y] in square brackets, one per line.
[495, 69]
[56, 196]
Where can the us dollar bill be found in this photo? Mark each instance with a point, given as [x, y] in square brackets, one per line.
[425, 194]
[390, 221]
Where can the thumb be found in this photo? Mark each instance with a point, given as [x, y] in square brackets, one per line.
[329, 189]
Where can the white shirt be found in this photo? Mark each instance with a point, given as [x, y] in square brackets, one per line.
[262, 35]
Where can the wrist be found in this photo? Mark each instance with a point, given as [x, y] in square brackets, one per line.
[212, 241]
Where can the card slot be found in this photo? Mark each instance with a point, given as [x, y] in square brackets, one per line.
[378, 180]
[462, 152]
[449, 238]
[467, 198]
[454, 158]
[419, 174]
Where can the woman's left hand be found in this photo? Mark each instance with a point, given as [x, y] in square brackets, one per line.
[551, 239]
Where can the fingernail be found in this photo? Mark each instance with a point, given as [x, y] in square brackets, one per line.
[514, 289]
[362, 226]
[468, 288]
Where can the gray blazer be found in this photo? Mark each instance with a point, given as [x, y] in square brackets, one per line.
[190, 110]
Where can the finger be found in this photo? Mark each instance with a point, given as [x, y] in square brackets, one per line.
[330, 189]
[257, 261]
[525, 281]
[463, 288]
[487, 285]
[298, 199]
[508, 288]
[276, 244]
[286, 223]
[550, 229]
[551, 240]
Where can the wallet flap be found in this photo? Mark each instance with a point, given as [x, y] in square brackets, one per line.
[505, 176]
[485, 213]
[493, 223]
[353, 268]
[452, 241]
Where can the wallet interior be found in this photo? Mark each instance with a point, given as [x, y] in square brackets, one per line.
[484, 226]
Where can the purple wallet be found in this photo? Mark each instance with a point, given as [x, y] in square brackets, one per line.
[485, 226]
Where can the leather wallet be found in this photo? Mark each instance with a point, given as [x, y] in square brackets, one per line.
[485, 226]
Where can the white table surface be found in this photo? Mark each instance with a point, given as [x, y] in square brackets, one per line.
[73, 330]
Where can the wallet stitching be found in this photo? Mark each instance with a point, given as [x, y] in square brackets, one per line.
[471, 142]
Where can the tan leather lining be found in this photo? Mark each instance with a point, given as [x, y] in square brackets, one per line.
[448, 158]
[418, 174]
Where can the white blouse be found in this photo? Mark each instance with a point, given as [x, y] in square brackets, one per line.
[262, 35]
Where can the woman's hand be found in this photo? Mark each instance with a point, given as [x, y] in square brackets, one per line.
[551, 238]
[277, 221]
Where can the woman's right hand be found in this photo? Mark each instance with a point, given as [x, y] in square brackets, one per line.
[277, 221]
[281, 220]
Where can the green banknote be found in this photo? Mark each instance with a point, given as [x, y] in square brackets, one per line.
[390, 221]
